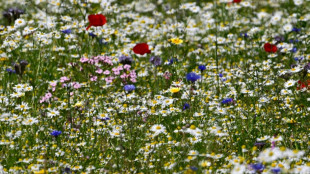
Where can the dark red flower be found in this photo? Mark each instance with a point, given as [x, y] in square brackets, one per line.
[236, 1]
[96, 20]
[270, 48]
[141, 48]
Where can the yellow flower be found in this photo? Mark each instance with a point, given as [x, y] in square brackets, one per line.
[78, 104]
[174, 90]
[176, 41]
[40, 172]
[3, 59]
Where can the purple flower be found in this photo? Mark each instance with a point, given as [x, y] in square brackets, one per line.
[227, 101]
[67, 31]
[279, 38]
[55, 133]
[194, 168]
[129, 88]
[258, 167]
[202, 67]
[192, 77]
[12, 14]
[294, 50]
[172, 60]
[296, 29]
[185, 106]
[125, 60]
[92, 35]
[10, 71]
[244, 35]
[155, 60]
[276, 170]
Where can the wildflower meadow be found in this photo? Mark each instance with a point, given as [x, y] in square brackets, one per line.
[154, 86]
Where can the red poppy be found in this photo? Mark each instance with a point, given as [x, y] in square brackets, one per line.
[141, 48]
[236, 1]
[303, 85]
[96, 20]
[270, 48]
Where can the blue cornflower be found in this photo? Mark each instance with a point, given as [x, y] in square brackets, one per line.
[104, 118]
[194, 168]
[185, 106]
[10, 71]
[192, 77]
[67, 31]
[55, 133]
[202, 67]
[172, 60]
[296, 29]
[92, 35]
[244, 35]
[258, 167]
[276, 170]
[294, 50]
[129, 88]
[220, 74]
[227, 100]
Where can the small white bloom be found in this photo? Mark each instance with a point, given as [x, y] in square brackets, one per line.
[288, 27]
[289, 83]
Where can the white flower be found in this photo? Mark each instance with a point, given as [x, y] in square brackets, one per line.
[238, 169]
[19, 23]
[296, 69]
[157, 129]
[52, 113]
[286, 91]
[23, 106]
[288, 27]
[278, 138]
[263, 100]
[30, 121]
[269, 155]
[263, 138]
[289, 83]
[298, 2]
[198, 114]
[193, 152]
[144, 6]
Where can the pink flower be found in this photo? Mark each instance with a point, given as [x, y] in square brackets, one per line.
[84, 59]
[109, 79]
[124, 76]
[127, 67]
[167, 75]
[48, 95]
[133, 74]
[93, 78]
[99, 71]
[133, 80]
[106, 72]
[76, 85]
[116, 71]
[53, 84]
[64, 79]
[120, 68]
